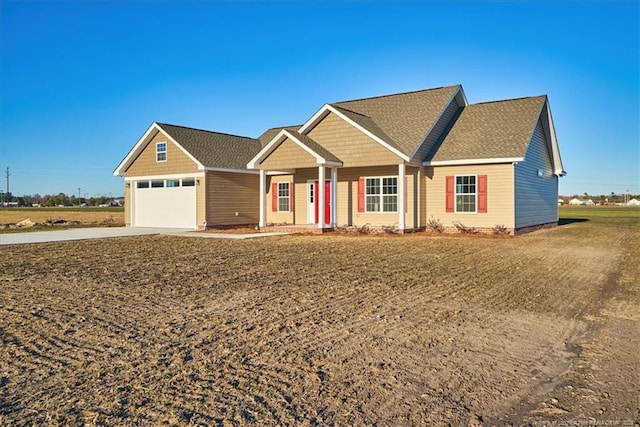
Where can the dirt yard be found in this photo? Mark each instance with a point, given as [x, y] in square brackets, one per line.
[325, 330]
[79, 216]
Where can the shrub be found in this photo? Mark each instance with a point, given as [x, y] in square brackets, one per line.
[464, 229]
[434, 225]
[500, 229]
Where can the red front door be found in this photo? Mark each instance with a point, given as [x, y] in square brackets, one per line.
[327, 202]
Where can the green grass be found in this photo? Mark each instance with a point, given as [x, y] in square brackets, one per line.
[592, 212]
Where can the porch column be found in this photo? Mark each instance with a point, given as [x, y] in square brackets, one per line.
[320, 196]
[334, 197]
[401, 194]
[263, 198]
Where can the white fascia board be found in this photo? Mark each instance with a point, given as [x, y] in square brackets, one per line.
[474, 161]
[168, 176]
[424, 138]
[326, 109]
[266, 150]
[252, 172]
[142, 143]
[558, 169]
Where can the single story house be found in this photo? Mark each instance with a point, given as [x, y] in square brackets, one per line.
[633, 202]
[397, 160]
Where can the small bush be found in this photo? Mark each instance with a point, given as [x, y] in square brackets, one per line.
[500, 229]
[435, 225]
[464, 229]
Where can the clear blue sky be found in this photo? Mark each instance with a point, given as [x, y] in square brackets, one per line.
[81, 81]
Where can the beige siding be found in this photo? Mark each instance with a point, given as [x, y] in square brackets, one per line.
[351, 146]
[437, 131]
[500, 195]
[145, 164]
[279, 217]
[536, 196]
[231, 199]
[201, 201]
[288, 155]
[127, 204]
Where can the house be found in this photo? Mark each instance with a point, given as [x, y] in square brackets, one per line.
[189, 178]
[397, 160]
[633, 202]
[575, 202]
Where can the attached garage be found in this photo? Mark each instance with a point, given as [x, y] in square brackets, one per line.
[169, 203]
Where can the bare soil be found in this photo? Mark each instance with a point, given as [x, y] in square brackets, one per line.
[62, 217]
[324, 330]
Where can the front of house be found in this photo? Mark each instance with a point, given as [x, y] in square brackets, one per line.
[398, 161]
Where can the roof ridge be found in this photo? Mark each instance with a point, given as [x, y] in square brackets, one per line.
[395, 94]
[204, 130]
[508, 100]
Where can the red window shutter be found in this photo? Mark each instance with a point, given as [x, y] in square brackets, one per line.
[361, 195]
[274, 197]
[406, 204]
[482, 193]
[291, 197]
[451, 196]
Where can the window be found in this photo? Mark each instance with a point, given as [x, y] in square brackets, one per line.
[161, 152]
[157, 184]
[466, 193]
[173, 183]
[283, 197]
[381, 194]
[188, 182]
[142, 184]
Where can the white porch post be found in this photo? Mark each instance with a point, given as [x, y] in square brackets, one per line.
[320, 196]
[334, 197]
[401, 194]
[263, 198]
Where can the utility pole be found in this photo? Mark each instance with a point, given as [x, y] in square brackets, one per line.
[6, 195]
[79, 200]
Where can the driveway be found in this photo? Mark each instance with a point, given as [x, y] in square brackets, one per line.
[101, 233]
[82, 234]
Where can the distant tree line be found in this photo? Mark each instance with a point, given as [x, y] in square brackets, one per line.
[611, 198]
[60, 199]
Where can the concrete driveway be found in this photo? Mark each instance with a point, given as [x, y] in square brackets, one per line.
[101, 233]
[82, 234]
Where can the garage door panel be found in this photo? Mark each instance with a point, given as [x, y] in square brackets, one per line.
[167, 207]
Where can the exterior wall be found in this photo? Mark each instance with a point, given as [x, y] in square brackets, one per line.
[500, 196]
[536, 196]
[127, 205]
[231, 199]
[177, 161]
[347, 197]
[201, 201]
[437, 131]
[280, 217]
[288, 155]
[353, 147]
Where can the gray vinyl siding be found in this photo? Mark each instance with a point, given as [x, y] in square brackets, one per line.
[437, 130]
[536, 197]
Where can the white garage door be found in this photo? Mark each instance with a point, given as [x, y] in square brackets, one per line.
[164, 203]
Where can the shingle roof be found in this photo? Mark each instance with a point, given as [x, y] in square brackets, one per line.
[403, 119]
[269, 134]
[490, 130]
[315, 147]
[214, 149]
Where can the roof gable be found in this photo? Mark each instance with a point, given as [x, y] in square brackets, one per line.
[491, 130]
[209, 150]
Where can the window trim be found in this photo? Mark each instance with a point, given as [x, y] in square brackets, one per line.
[158, 152]
[381, 195]
[455, 194]
[287, 197]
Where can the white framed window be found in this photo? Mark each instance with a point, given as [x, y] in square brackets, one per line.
[142, 184]
[161, 152]
[188, 182]
[381, 194]
[283, 197]
[157, 183]
[173, 183]
[466, 193]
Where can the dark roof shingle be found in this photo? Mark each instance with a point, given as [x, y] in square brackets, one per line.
[214, 149]
[491, 130]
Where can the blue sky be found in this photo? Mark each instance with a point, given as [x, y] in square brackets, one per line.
[81, 81]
